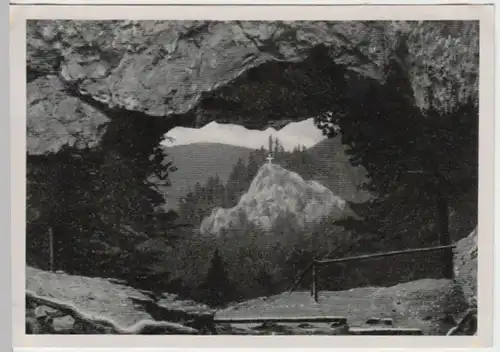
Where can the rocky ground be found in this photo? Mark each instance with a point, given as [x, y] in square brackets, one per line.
[113, 306]
[62, 303]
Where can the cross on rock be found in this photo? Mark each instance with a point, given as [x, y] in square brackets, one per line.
[269, 159]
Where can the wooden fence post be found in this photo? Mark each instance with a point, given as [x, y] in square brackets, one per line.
[449, 269]
[300, 277]
[314, 288]
[51, 250]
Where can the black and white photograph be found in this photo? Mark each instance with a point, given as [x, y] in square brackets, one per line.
[251, 177]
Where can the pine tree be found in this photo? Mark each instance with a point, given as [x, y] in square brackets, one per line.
[210, 187]
[98, 193]
[277, 149]
[237, 182]
[198, 190]
[218, 192]
[217, 288]
[260, 156]
[252, 168]
[188, 208]
[270, 150]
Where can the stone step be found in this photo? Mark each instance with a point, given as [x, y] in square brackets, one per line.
[311, 319]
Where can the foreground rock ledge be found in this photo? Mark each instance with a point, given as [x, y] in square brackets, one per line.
[427, 305]
[105, 307]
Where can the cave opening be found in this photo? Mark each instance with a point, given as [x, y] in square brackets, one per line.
[272, 94]
[276, 93]
[97, 207]
[111, 185]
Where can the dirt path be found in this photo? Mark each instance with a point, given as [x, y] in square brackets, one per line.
[424, 304]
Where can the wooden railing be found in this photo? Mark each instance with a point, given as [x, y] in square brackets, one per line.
[315, 264]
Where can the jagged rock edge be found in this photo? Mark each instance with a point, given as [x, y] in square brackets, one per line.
[92, 319]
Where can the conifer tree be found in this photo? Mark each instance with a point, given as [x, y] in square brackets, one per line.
[270, 150]
[217, 289]
[418, 160]
[237, 182]
[277, 150]
[252, 168]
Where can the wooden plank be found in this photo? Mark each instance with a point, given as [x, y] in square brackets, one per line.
[385, 254]
[385, 331]
[310, 319]
[447, 258]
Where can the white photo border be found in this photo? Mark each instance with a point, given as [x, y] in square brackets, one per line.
[20, 13]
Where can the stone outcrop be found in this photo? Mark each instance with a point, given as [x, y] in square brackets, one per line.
[71, 304]
[465, 261]
[56, 119]
[276, 192]
[163, 67]
[225, 71]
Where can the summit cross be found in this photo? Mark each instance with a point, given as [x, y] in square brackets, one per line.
[269, 159]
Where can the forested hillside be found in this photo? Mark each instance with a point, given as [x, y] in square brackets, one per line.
[195, 163]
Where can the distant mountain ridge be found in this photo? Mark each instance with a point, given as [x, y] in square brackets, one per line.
[196, 163]
[276, 192]
[334, 170]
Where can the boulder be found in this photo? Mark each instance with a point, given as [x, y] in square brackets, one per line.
[63, 324]
[56, 118]
[44, 311]
[95, 296]
[72, 304]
